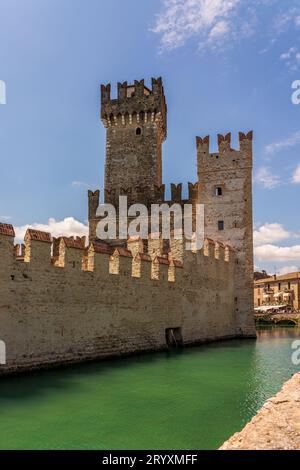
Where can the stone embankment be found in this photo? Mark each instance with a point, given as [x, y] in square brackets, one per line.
[276, 426]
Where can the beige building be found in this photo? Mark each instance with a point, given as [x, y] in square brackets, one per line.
[278, 290]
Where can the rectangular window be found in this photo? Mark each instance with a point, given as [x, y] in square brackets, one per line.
[218, 191]
[221, 225]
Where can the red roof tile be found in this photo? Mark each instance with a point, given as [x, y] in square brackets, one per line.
[101, 247]
[144, 257]
[38, 235]
[123, 252]
[71, 242]
[7, 229]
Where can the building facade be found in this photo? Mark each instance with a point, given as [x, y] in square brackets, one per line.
[278, 290]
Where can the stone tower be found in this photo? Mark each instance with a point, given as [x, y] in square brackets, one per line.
[136, 126]
[225, 189]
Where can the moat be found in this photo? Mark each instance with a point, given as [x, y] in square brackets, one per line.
[191, 399]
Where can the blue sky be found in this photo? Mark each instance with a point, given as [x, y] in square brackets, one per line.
[227, 65]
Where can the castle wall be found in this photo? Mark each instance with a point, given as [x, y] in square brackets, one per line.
[151, 194]
[132, 160]
[51, 314]
[135, 125]
[229, 171]
[63, 302]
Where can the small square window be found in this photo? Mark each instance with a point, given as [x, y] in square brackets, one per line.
[218, 191]
[221, 225]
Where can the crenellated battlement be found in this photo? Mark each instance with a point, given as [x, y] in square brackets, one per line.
[136, 104]
[93, 202]
[131, 91]
[7, 230]
[69, 302]
[226, 155]
[64, 299]
[143, 195]
[71, 253]
[146, 195]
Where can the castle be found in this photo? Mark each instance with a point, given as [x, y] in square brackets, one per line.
[63, 301]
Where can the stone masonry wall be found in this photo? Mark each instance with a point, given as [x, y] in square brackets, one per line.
[84, 304]
[135, 125]
[225, 189]
[276, 426]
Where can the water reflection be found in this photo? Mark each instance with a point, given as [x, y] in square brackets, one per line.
[271, 364]
[192, 399]
[273, 331]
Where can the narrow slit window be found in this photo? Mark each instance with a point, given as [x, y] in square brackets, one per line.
[218, 191]
[221, 225]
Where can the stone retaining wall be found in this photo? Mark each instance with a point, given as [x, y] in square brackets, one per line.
[276, 426]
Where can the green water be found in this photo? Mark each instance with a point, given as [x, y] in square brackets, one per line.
[193, 399]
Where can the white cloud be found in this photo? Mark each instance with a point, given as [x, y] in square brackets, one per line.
[288, 19]
[219, 29]
[216, 24]
[287, 270]
[272, 253]
[296, 175]
[67, 227]
[291, 58]
[80, 184]
[265, 178]
[291, 141]
[288, 54]
[5, 217]
[212, 22]
[271, 233]
[282, 22]
[265, 250]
